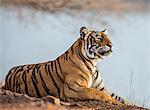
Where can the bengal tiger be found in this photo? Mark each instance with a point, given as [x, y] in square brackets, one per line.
[73, 76]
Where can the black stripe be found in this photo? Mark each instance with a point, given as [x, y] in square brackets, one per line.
[112, 94]
[44, 84]
[58, 91]
[18, 85]
[87, 43]
[86, 52]
[87, 46]
[81, 55]
[72, 49]
[71, 88]
[91, 41]
[84, 78]
[60, 68]
[34, 75]
[37, 66]
[102, 89]
[96, 76]
[80, 44]
[116, 97]
[78, 67]
[15, 69]
[88, 56]
[66, 53]
[57, 71]
[119, 98]
[10, 71]
[46, 70]
[92, 46]
[9, 80]
[19, 70]
[51, 65]
[72, 98]
[84, 61]
[59, 65]
[24, 77]
[30, 66]
[79, 84]
[99, 83]
[14, 81]
[64, 56]
[76, 64]
[36, 87]
[88, 60]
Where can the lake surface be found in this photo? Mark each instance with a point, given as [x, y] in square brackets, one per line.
[47, 36]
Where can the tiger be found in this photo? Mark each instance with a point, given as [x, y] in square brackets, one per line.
[73, 76]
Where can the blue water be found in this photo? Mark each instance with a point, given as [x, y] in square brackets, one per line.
[47, 36]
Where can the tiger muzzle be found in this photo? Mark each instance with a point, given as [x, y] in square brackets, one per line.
[104, 51]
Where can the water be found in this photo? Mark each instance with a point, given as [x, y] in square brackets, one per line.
[126, 72]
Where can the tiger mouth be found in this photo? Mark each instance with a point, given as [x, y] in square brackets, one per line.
[105, 53]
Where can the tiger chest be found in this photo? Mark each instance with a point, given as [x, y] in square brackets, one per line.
[90, 81]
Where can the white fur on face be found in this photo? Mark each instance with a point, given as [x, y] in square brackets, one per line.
[90, 55]
[96, 51]
[99, 50]
[103, 49]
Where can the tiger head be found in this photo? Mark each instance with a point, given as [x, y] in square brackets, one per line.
[96, 44]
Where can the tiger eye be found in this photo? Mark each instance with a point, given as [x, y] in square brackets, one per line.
[96, 35]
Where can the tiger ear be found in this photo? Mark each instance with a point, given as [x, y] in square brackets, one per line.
[83, 31]
[105, 31]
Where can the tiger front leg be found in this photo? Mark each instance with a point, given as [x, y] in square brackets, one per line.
[99, 85]
[118, 98]
[77, 90]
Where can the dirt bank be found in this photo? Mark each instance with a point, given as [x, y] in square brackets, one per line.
[14, 101]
